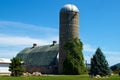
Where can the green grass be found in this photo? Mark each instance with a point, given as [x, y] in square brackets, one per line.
[70, 77]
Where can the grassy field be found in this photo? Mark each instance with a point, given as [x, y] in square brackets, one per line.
[70, 77]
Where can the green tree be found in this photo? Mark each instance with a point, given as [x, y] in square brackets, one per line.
[74, 62]
[99, 65]
[16, 67]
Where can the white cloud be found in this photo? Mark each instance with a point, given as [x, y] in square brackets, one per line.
[10, 24]
[8, 53]
[88, 48]
[111, 56]
[15, 36]
[112, 52]
[113, 60]
[17, 43]
[47, 34]
[16, 40]
[20, 40]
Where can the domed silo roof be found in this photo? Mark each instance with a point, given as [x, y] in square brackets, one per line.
[69, 7]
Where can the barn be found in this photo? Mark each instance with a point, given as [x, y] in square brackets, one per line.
[42, 59]
[4, 66]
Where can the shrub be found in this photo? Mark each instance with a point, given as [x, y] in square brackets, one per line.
[16, 67]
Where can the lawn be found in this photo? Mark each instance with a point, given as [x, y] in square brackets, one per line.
[70, 77]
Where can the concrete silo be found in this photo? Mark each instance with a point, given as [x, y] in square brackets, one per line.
[69, 28]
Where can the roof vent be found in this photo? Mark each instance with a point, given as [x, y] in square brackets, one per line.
[54, 43]
[34, 45]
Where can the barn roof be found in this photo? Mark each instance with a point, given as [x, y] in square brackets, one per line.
[40, 55]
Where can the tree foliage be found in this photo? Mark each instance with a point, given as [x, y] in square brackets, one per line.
[74, 62]
[99, 65]
[16, 67]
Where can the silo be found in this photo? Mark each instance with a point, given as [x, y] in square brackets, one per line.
[69, 28]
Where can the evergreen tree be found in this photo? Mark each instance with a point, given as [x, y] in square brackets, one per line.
[99, 65]
[16, 67]
[74, 62]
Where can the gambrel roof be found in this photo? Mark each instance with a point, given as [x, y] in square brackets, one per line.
[40, 55]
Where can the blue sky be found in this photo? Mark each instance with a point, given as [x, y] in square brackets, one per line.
[24, 22]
